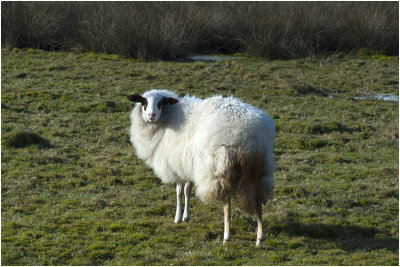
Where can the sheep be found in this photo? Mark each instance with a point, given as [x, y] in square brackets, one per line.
[220, 145]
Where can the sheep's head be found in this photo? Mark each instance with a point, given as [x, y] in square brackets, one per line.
[152, 104]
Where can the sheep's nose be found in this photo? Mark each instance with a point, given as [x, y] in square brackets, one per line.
[152, 115]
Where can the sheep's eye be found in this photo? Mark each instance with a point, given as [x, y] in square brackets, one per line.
[144, 103]
[160, 103]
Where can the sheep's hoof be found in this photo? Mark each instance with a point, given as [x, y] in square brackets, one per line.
[186, 219]
[260, 240]
[227, 239]
[178, 220]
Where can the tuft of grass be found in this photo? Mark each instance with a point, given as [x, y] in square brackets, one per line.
[296, 143]
[106, 106]
[20, 139]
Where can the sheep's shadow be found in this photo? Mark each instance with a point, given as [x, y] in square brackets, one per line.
[348, 237]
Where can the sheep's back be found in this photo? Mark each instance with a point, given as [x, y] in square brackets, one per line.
[230, 122]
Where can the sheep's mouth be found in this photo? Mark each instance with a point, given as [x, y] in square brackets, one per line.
[151, 119]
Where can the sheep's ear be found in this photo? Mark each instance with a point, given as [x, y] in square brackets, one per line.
[136, 98]
[170, 100]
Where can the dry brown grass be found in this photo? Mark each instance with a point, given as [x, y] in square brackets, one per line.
[167, 30]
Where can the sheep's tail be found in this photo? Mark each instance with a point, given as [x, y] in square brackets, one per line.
[250, 177]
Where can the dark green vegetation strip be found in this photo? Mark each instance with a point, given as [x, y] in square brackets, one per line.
[73, 192]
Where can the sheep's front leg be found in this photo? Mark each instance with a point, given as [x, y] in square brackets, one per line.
[227, 218]
[260, 234]
[188, 190]
[179, 193]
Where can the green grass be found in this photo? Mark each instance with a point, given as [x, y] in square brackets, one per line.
[74, 193]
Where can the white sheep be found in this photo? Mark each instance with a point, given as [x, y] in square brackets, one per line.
[221, 145]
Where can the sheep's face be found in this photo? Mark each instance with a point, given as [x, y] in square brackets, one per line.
[152, 105]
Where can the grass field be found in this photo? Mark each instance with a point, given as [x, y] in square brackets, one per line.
[74, 193]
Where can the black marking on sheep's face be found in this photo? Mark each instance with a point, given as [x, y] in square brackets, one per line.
[138, 99]
[152, 105]
[170, 100]
[166, 101]
[144, 103]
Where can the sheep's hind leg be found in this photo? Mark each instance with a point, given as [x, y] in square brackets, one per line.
[260, 234]
[188, 190]
[227, 219]
[179, 193]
